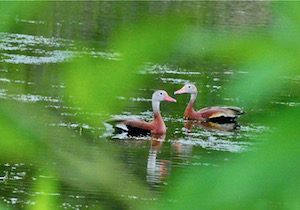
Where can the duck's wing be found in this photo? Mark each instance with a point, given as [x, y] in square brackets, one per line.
[220, 113]
[131, 125]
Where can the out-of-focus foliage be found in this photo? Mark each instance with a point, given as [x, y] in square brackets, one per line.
[14, 137]
[266, 178]
[105, 80]
[94, 84]
[268, 56]
[31, 140]
[48, 197]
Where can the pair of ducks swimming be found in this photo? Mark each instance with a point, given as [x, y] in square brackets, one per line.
[157, 126]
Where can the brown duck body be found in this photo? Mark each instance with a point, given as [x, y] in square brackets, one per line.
[138, 126]
[215, 114]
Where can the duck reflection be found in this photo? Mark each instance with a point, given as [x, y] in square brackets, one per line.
[190, 124]
[185, 150]
[182, 151]
[157, 169]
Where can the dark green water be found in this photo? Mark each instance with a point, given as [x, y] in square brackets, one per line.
[34, 50]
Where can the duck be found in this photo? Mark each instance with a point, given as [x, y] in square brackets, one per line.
[137, 126]
[219, 114]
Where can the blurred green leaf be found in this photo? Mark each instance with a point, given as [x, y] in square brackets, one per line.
[267, 56]
[269, 176]
[96, 83]
[16, 132]
[266, 178]
[47, 193]
[101, 169]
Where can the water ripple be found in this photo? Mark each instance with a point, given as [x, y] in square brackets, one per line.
[44, 50]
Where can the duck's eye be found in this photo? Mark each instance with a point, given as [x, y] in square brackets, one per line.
[161, 93]
[189, 86]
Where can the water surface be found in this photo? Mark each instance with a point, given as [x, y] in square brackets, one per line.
[30, 58]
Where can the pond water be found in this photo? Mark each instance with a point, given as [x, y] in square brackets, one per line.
[33, 48]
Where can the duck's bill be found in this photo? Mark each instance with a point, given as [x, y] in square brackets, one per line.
[168, 98]
[182, 90]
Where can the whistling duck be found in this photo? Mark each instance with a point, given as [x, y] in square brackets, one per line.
[138, 126]
[214, 114]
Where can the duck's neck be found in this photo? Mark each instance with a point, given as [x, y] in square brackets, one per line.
[156, 111]
[158, 123]
[189, 111]
[193, 98]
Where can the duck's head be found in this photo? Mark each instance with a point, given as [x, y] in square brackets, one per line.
[161, 95]
[187, 88]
